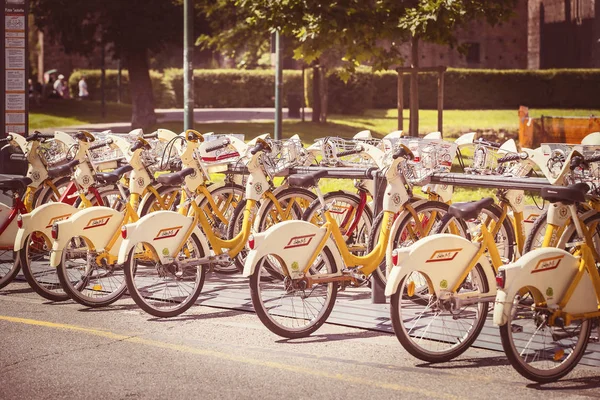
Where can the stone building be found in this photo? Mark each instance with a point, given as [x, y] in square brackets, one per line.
[542, 34]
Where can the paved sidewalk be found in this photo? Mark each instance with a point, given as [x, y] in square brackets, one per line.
[201, 115]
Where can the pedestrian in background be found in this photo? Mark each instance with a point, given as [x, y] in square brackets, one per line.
[59, 86]
[83, 88]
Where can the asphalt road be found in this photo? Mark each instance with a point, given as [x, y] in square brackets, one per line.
[61, 350]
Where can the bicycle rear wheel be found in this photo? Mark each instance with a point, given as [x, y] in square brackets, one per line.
[540, 352]
[34, 258]
[289, 308]
[432, 330]
[163, 290]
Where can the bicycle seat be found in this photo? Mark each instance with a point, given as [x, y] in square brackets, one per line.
[308, 180]
[176, 178]
[469, 209]
[14, 182]
[113, 176]
[62, 170]
[568, 194]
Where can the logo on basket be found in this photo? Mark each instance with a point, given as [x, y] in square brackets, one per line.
[56, 219]
[299, 241]
[563, 212]
[444, 255]
[258, 187]
[396, 199]
[141, 181]
[549, 292]
[531, 218]
[167, 233]
[35, 176]
[86, 180]
[546, 264]
[97, 222]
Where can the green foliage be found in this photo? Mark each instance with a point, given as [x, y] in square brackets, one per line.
[233, 88]
[93, 79]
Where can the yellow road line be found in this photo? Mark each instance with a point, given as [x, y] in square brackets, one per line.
[230, 357]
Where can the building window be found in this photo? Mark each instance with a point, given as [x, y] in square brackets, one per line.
[473, 53]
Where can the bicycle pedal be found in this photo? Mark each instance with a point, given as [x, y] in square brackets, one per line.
[516, 328]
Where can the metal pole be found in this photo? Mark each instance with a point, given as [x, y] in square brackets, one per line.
[103, 81]
[303, 93]
[441, 101]
[188, 67]
[278, 86]
[400, 95]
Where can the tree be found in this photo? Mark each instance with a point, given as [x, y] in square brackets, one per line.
[134, 28]
[367, 32]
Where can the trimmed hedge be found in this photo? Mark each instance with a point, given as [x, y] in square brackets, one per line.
[93, 78]
[464, 88]
[233, 88]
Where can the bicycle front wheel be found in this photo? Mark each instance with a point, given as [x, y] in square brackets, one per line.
[292, 308]
[433, 330]
[9, 267]
[538, 351]
[165, 290]
[87, 281]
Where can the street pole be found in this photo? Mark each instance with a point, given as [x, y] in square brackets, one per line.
[188, 67]
[103, 81]
[278, 85]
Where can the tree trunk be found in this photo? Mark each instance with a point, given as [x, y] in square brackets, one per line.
[414, 88]
[140, 86]
[316, 95]
[324, 99]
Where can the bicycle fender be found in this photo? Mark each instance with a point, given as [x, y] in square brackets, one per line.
[97, 224]
[547, 273]
[41, 220]
[390, 246]
[293, 242]
[164, 231]
[442, 258]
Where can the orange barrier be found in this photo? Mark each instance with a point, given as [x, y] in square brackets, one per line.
[534, 131]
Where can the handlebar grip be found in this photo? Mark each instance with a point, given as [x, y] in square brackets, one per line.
[218, 146]
[38, 136]
[18, 157]
[401, 152]
[5, 140]
[576, 161]
[153, 135]
[511, 157]
[592, 159]
[101, 144]
[487, 143]
[258, 147]
[138, 145]
[355, 150]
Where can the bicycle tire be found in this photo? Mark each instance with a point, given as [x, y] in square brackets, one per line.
[282, 312]
[218, 226]
[139, 289]
[517, 329]
[433, 337]
[43, 278]
[263, 222]
[89, 285]
[45, 194]
[8, 273]
[398, 236]
[536, 235]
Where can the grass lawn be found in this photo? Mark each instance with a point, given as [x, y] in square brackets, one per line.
[61, 113]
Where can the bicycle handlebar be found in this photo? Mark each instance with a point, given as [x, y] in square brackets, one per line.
[140, 144]
[153, 135]
[487, 143]
[355, 150]
[39, 136]
[223, 145]
[101, 144]
[260, 146]
[512, 157]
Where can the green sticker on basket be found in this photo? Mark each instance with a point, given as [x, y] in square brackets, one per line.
[444, 284]
[165, 252]
[549, 292]
[295, 266]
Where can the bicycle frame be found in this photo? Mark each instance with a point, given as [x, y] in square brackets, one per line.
[8, 229]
